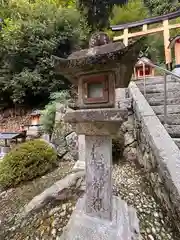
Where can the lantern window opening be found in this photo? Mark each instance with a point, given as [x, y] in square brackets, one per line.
[96, 89]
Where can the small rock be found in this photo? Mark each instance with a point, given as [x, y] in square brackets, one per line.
[64, 207]
[62, 214]
[153, 230]
[150, 237]
[53, 211]
[53, 232]
[54, 223]
[156, 215]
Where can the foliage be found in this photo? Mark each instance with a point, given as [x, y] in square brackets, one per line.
[97, 12]
[34, 31]
[48, 114]
[156, 42]
[159, 7]
[26, 162]
[133, 11]
[136, 10]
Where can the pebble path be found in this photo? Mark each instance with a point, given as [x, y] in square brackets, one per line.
[132, 186]
[129, 183]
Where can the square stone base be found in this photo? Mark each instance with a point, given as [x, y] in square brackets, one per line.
[124, 225]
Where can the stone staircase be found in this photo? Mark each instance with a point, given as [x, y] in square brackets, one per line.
[155, 97]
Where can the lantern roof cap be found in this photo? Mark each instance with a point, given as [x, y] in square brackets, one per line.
[173, 40]
[104, 56]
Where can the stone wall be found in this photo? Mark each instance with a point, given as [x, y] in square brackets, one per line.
[157, 154]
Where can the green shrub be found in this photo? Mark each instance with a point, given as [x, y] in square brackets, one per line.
[49, 113]
[26, 162]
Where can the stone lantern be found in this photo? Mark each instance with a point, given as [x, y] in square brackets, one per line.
[97, 72]
[175, 43]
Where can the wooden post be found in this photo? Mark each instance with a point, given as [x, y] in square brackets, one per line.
[125, 37]
[166, 42]
[144, 28]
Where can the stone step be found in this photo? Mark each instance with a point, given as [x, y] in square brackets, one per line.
[171, 94]
[172, 119]
[154, 80]
[170, 101]
[159, 88]
[173, 130]
[171, 109]
[177, 141]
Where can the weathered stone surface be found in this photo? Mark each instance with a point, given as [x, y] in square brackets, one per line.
[128, 139]
[159, 87]
[173, 130]
[68, 157]
[98, 128]
[153, 81]
[173, 119]
[177, 141]
[171, 109]
[98, 115]
[98, 176]
[61, 150]
[114, 55]
[62, 189]
[63, 137]
[130, 153]
[170, 101]
[173, 94]
[128, 125]
[124, 224]
[159, 149]
[72, 144]
[176, 71]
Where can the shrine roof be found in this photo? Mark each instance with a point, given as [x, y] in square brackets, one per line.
[173, 40]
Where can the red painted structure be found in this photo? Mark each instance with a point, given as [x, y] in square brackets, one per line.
[175, 42]
[141, 69]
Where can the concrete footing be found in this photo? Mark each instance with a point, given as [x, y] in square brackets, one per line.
[124, 224]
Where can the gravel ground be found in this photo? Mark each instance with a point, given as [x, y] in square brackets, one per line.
[130, 184]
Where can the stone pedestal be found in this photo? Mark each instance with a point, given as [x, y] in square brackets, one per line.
[80, 164]
[99, 176]
[99, 215]
[123, 226]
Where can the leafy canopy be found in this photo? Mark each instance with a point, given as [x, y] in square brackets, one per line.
[34, 31]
